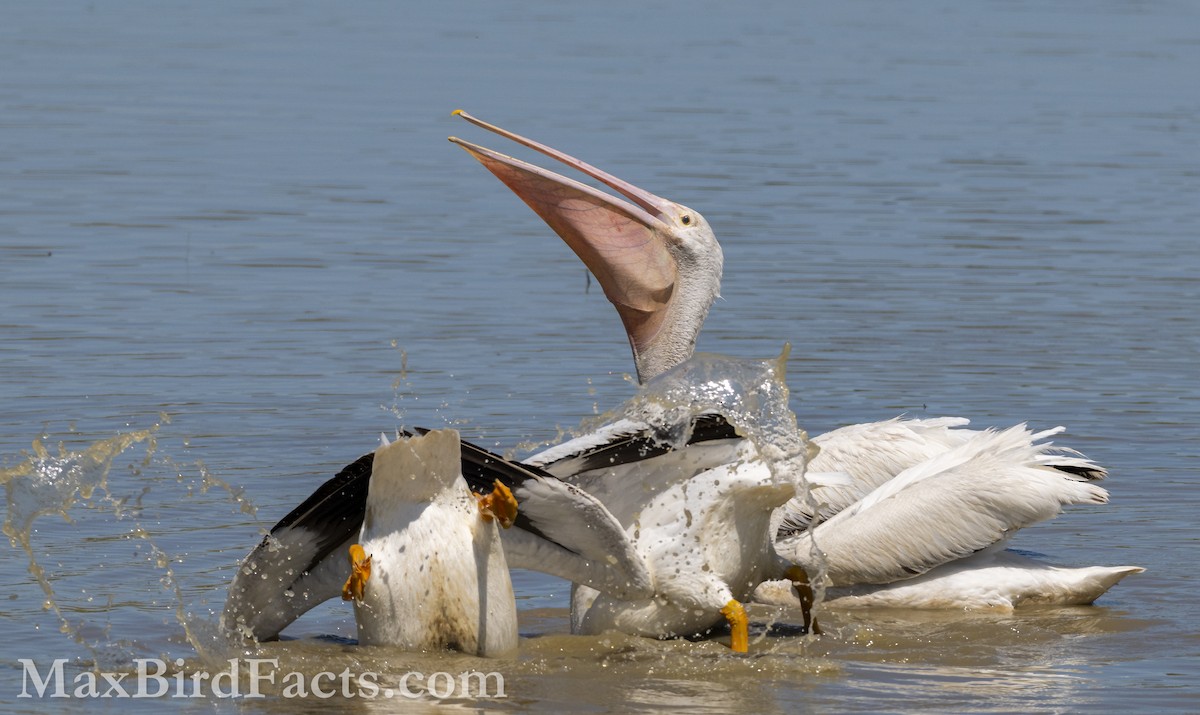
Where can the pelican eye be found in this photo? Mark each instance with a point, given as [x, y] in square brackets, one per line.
[685, 220]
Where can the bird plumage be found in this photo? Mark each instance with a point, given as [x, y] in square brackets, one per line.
[929, 492]
[439, 578]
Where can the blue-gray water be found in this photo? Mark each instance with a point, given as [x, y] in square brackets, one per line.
[246, 217]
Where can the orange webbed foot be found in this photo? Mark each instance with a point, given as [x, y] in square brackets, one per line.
[499, 505]
[360, 571]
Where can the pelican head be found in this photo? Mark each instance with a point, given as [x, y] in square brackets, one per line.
[658, 262]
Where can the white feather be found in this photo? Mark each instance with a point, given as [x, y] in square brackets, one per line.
[706, 542]
[605, 559]
[957, 503]
[438, 574]
[989, 580]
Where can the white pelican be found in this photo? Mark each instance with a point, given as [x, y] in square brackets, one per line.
[963, 503]
[303, 562]
[680, 554]
[700, 516]
[560, 529]
[428, 569]
[660, 265]
[705, 533]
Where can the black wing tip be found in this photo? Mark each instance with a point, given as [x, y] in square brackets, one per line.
[334, 512]
[346, 480]
[651, 442]
[1091, 474]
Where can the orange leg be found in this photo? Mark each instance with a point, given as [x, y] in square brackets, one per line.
[739, 626]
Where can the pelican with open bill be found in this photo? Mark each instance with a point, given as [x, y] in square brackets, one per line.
[658, 262]
[660, 265]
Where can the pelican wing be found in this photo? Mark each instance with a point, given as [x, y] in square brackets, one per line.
[302, 561]
[869, 454]
[560, 529]
[627, 463]
[625, 442]
[965, 500]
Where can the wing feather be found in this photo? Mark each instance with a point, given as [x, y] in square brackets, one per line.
[965, 500]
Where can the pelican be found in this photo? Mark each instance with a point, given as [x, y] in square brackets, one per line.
[683, 552]
[964, 503]
[699, 516]
[660, 265]
[428, 571]
[299, 564]
[317, 551]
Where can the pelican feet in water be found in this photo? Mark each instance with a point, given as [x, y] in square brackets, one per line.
[320, 550]
[428, 571]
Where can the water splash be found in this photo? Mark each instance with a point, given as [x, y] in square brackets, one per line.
[752, 395]
[51, 484]
[75, 485]
[45, 484]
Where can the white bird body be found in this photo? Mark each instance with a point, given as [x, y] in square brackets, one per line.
[698, 517]
[994, 579]
[438, 573]
[721, 549]
[706, 542]
[914, 494]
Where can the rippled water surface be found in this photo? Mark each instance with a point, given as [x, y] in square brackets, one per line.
[235, 246]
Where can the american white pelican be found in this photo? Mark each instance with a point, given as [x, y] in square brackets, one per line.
[428, 569]
[678, 558]
[303, 561]
[699, 516]
[660, 265]
[966, 500]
